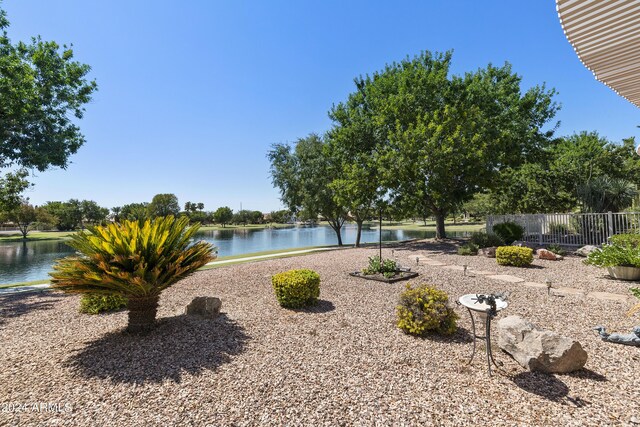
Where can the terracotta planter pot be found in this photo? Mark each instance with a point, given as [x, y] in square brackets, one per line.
[142, 314]
[622, 272]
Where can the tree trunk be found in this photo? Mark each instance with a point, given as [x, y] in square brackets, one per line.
[440, 232]
[24, 230]
[359, 232]
[142, 314]
[337, 227]
[338, 234]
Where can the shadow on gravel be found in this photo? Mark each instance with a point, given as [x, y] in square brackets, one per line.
[322, 306]
[180, 344]
[587, 374]
[543, 385]
[448, 246]
[16, 305]
[461, 336]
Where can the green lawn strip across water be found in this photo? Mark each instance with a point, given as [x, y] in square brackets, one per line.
[19, 284]
[245, 227]
[36, 235]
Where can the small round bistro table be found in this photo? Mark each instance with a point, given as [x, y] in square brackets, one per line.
[481, 305]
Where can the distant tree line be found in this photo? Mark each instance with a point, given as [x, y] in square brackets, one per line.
[76, 214]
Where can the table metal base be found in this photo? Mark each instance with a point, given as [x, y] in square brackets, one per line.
[486, 338]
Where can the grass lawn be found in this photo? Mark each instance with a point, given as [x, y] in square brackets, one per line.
[36, 235]
[248, 226]
[34, 282]
[431, 225]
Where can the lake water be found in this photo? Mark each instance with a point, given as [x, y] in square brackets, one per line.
[27, 261]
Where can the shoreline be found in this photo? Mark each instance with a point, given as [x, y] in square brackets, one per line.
[235, 259]
[460, 227]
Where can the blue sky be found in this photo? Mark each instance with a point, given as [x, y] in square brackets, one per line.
[193, 93]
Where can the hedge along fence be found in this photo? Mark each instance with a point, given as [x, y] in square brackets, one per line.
[571, 229]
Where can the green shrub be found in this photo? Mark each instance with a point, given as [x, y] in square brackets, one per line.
[468, 249]
[614, 255]
[423, 310]
[514, 255]
[486, 240]
[386, 267]
[509, 231]
[559, 228]
[632, 240]
[296, 288]
[557, 249]
[97, 303]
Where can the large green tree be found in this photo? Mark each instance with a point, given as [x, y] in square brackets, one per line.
[42, 93]
[92, 212]
[532, 188]
[351, 142]
[223, 215]
[12, 185]
[582, 171]
[23, 217]
[164, 205]
[134, 211]
[42, 90]
[304, 174]
[68, 215]
[439, 138]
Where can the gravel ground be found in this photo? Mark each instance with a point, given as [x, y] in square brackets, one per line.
[341, 363]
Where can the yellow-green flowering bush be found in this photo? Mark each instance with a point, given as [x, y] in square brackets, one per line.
[296, 288]
[514, 255]
[423, 310]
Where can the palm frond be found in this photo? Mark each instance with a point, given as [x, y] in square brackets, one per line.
[131, 258]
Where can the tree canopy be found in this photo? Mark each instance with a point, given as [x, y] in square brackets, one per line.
[437, 138]
[223, 215]
[304, 173]
[583, 171]
[42, 90]
[164, 205]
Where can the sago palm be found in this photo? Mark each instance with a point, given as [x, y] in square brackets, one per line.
[135, 259]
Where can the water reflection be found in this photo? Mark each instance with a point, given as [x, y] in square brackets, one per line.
[27, 261]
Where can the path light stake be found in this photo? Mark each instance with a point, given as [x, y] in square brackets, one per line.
[380, 237]
[548, 282]
[417, 260]
[464, 269]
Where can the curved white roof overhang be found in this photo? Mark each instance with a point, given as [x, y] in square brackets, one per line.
[606, 36]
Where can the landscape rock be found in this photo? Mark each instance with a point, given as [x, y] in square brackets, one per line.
[548, 255]
[538, 349]
[523, 244]
[586, 250]
[207, 307]
[489, 252]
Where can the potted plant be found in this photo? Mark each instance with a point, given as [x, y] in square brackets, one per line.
[622, 261]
